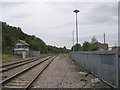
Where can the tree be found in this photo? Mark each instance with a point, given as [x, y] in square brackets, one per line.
[94, 44]
[11, 34]
[64, 47]
[94, 40]
[86, 46]
[94, 47]
[77, 47]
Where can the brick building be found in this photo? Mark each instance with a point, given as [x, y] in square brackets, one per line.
[103, 46]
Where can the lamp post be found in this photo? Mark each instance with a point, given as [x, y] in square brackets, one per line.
[73, 40]
[76, 11]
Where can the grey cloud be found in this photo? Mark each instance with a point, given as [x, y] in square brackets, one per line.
[67, 6]
[21, 16]
[100, 13]
[63, 26]
[11, 4]
[100, 19]
[104, 13]
[55, 22]
[109, 8]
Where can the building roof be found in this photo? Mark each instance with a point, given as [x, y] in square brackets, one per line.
[23, 42]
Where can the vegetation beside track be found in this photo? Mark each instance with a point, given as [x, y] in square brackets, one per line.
[9, 58]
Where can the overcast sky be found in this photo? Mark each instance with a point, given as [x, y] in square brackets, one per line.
[54, 22]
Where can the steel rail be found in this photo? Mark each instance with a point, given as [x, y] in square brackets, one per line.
[23, 71]
[29, 85]
[19, 64]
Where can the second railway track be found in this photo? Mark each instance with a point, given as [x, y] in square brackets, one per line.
[26, 77]
[7, 67]
[10, 70]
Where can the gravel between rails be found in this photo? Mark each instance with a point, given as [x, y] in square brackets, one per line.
[65, 73]
[13, 71]
[23, 80]
[22, 60]
[4, 69]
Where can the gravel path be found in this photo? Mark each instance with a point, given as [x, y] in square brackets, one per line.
[64, 73]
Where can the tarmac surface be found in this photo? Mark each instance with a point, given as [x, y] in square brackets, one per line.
[65, 73]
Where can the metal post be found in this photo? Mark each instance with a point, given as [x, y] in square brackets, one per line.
[117, 68]
[76, 11]
[76, 30]
[73, 40]
[104, 38]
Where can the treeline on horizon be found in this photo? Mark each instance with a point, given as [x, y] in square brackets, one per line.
[93, 45]
[11, 34]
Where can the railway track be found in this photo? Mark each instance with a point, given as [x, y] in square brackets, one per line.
[19, 62]
[26, 77]
[10, 66]
[10, 70]
[16, 62]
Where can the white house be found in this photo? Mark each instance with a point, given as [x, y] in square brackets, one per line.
[21, 47]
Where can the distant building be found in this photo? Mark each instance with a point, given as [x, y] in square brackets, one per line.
[20, 47]
[103, 46]
[114, 48]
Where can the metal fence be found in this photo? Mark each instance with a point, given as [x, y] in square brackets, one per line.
[104, 64]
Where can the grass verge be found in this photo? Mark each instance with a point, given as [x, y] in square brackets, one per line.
[9, 58]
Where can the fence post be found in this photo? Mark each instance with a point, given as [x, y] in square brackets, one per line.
[117, 68]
